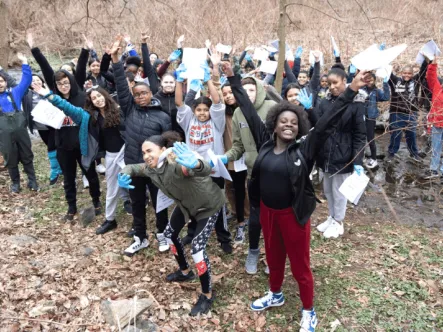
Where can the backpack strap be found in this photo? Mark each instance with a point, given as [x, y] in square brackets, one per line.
[14, 105]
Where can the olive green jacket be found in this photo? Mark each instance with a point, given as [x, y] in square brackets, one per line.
[242, 139]
[192, 190]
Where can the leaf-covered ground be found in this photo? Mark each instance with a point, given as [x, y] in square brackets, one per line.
[380, 276]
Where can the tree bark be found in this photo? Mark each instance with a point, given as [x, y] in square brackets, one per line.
[281, 45]
[4, 37]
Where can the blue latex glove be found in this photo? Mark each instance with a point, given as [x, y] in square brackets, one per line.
[223, 80]
[382, 46]
[207, 70]
[248, 57]
[124, 181]
[175, 55]
[223, 158]
[352, 69]
[386, 79]
[180, 70]
[358, 169]
[305, 99]
[196, 85]
[272, 54]
[185, 157]
[336, 53]
[298, 52]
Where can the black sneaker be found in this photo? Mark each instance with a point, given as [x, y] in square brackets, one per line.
[178, 276]
[69, 216]
[128, 207]
[187, 240]
[107, 226]
[15, 188]
[32, 185]
[131, 232]
[430, 174]
[416, 159]
[227, 247]
[202, 306]
[53, 181]
[390, 158]
[98, 206]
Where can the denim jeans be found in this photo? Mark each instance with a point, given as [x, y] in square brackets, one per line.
[437, 135]
[399, 122]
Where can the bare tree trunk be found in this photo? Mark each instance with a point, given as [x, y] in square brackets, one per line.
[4, 37]
[281, 45]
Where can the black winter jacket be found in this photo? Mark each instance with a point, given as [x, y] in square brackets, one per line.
[300, 154]
[346, 143]
[140, 122]
[168, 105]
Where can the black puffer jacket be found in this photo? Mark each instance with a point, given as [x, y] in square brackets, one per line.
[168, 104]
[344, 148]
[140, 122]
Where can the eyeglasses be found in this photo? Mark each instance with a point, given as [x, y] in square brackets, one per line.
[94, 87]
[141, 94]
[60, 84]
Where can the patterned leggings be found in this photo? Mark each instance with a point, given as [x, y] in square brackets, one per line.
[198, 250]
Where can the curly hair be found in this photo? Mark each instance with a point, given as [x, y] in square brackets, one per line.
[112, 110]
[274, 114]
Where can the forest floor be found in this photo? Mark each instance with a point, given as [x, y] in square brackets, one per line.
[382, 275]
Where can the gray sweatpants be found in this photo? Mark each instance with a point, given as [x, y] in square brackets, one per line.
[336, 201]
[113, 191]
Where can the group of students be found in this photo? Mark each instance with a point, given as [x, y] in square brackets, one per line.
[155, 137]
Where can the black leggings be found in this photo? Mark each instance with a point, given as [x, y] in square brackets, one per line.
[198, 249]
[370, 134]
[254, 227]
[238, 181]
[48, 137]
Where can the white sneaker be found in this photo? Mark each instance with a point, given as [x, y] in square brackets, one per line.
[371, 163]
[267, 270]
[308, 321]
[100, 169]
[162, 243]
[85, 182]
[334, 230]
[136, 246]
[324, 225]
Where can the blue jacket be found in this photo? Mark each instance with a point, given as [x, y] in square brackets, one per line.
[375, 96]
[17, 92]
[81, 118]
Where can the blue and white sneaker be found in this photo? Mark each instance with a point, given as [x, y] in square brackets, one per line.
[308, 321]
[269, 300]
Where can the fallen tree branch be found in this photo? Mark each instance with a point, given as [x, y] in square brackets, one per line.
[318, 10]
[45, 321]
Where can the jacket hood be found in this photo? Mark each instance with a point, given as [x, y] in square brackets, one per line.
[261, 93]
[155, 105]
[74, 87]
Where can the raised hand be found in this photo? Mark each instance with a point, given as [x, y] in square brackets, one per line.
[317, 55]
[127, 39]
[89, 45]
[227, 68]
[360, 80]
[145, 36]
[382, 46]
[215, 57]
[180, 41]
[23, 59]
[40, 89]
[30, 39]
[185, 157]
[115, 48]
[352, 69]
[196, 85]
[174, 55]
[124, 181]
[207, 71]
[179, 72]
[298, 52]
[305, 99]
[208, 43]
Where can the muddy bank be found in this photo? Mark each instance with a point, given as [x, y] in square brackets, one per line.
[398, 189]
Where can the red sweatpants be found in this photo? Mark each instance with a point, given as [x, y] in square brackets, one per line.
[285, 236]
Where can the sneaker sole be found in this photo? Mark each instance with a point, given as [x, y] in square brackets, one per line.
[272, 305]
[163, 250]
[251, 272]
